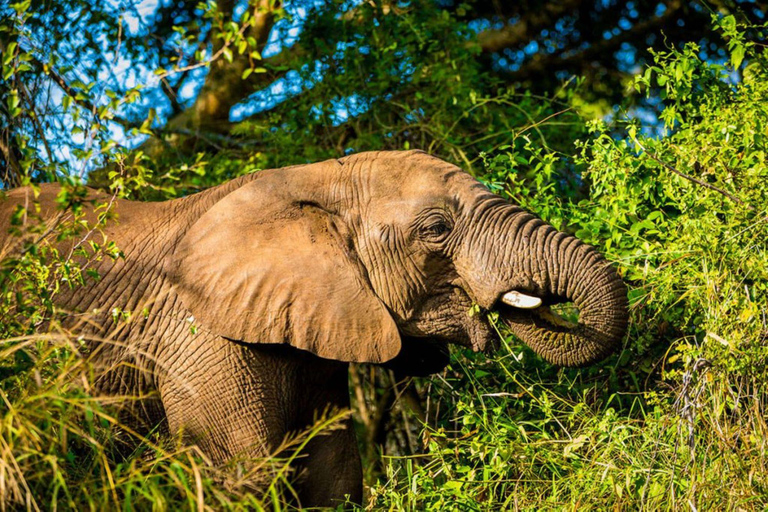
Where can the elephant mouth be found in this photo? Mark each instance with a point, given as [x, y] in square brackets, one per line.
[550, 313]
[565, 333]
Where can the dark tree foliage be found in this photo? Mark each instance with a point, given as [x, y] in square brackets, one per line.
[604, 41]
[311, 79]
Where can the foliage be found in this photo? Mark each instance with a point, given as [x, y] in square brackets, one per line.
[205, 86]
[65, 446]
[677, 419]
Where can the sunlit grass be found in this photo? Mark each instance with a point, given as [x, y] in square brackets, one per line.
[63, 447]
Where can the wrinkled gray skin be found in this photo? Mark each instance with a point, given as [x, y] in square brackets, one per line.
[290, 274]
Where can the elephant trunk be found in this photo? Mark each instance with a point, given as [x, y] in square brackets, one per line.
[540, 262]
[563, 269]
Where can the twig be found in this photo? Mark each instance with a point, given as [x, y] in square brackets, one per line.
[36, 121]
[692, 179]
[158, 133]
[84, 103]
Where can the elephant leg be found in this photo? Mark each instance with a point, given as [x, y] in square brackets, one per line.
[220, 397]
[240, 401]
[331, 470]
[140, 416]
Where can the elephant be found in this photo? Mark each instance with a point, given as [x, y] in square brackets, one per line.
[257, 294]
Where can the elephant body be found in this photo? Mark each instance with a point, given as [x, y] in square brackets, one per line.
[237, 310]
[232, 399]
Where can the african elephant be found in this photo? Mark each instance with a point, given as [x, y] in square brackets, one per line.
[288, 275]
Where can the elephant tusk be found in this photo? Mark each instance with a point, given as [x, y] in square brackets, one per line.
[520, 300]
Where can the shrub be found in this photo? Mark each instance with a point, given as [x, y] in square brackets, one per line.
[678, 417]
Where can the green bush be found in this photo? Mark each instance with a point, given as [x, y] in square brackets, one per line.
[677, 419]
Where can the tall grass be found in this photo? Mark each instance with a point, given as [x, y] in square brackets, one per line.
[63, 446]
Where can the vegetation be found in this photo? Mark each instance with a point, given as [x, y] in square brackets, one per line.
[671, 184]
[677, 419]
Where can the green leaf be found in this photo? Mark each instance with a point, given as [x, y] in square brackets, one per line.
[227, 53]
[10, 52]
[737, 56]
[728, 23]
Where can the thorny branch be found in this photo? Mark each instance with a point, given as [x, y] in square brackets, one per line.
[692, 179]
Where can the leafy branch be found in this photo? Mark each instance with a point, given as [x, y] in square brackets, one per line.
[691, 178]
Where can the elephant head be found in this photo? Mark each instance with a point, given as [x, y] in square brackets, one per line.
[380, 254]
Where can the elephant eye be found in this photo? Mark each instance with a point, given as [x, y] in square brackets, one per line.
[436, 228]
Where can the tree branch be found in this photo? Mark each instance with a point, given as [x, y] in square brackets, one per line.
[525, 29]
[692, 179]
[69, 91]
[11, 174]
[224, 86]
[547, 63]
[36, 121]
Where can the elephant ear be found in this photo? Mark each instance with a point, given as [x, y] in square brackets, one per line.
[263, 267]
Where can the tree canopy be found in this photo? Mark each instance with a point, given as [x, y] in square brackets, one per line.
[275, 83]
